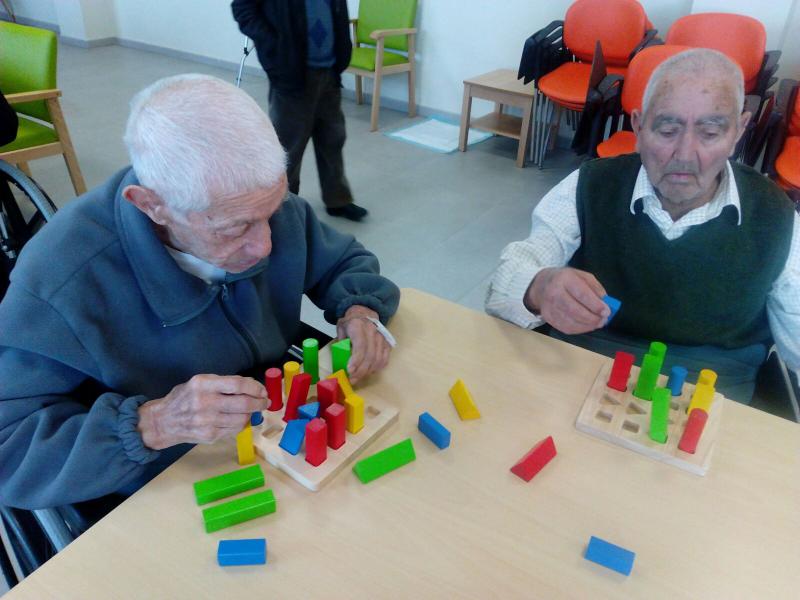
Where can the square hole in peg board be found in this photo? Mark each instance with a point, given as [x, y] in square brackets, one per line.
[609, 399]
[273, 429]
[630, 426]
[635, 409]
[372, 412]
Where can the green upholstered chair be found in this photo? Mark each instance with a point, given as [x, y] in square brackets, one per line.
[28, 81]
[383, 44]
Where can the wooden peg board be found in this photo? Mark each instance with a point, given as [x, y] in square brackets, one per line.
[378, 416]
[622, 419]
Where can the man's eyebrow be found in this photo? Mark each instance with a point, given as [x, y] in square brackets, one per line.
[718, 120]
[667, 120]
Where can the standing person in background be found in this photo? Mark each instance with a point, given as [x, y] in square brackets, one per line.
[304, 45]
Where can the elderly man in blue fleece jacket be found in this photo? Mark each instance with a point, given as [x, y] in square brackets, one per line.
[130, 313]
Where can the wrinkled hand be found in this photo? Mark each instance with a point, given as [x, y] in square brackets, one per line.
[568, 299]
[370, 351]
[201, 411]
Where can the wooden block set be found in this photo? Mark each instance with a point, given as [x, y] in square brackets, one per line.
[232, 512]
[662, 417]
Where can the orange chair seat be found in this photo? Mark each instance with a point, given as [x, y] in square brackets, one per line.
[787, 165]
[567, 85]
[622, 142]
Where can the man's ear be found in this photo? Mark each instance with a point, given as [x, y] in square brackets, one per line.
[148, 202]
[744, 119]
[637, 122]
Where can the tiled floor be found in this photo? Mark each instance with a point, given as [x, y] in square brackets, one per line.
[438, 221]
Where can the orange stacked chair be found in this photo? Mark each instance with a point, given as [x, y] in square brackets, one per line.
[619, 25]
[787, 163]
[639, 72]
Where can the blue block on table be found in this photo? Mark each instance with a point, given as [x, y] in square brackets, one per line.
[242, 552]
[293, 435]
[308, 411]
[434, 431]
[613, 304]
[610, 555]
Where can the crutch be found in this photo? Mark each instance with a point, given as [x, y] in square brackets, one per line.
[248, 48]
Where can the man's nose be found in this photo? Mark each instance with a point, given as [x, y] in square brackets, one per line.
[686, 146]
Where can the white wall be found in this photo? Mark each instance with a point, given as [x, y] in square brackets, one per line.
[204, 27]
[38, 10]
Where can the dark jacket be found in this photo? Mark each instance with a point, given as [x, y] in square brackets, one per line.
[278, 29]
[99, 319]
[8, 122]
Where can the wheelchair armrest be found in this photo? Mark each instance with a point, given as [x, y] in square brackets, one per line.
[650, 39]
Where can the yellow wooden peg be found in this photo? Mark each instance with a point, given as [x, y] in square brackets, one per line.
[354, 407]
[244, 446]
[344, 382]
[462, 400]
[702, 398]
[707, 377]
[290, 369]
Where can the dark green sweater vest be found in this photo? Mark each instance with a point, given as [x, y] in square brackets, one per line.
[710, 285]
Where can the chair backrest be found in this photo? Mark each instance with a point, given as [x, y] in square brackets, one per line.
[793, 112]
[27, 63]
[743, 39]
[619, 25]
[639, 72]
[383, 14]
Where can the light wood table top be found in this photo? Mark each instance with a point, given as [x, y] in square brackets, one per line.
[456, 523]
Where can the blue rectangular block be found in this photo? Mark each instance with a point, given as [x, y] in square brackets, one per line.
[293, 435]
[610, 555]
[242, 552]
[613, 304]
[434, 431]
[308, 411]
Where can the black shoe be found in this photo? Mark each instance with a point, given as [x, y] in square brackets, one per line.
[348, 211]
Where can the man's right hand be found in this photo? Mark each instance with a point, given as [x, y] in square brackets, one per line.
[201, 411]
[568, 299]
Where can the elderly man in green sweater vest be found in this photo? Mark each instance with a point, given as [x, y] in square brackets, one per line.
[703, 253]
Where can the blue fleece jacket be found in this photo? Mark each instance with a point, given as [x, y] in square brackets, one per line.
[100, 319]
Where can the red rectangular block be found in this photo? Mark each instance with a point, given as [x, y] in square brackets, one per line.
[298, 395]
[335, 416]
[693, 430]
[533, 462]
[328, 392]
[272, 381]
[620, 371]
[316, 442]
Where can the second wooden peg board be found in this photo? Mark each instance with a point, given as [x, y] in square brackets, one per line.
[623, 419]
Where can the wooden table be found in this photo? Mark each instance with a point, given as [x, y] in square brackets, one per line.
[504, 89]
[456, 523]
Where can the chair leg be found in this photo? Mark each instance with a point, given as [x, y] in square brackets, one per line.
[359, 90]
[376, 101]
[790, 389]
[412, 95]
[23, 166]
[66, 142]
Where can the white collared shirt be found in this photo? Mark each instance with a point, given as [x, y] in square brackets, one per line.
[197, 267]
[556, 235]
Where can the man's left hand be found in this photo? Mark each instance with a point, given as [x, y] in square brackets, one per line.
[369, 349]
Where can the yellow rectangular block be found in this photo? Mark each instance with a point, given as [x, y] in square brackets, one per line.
[344, 382]
[290, 369]
[462, 400]
[245, 450]
[354, 410]
[702, 398]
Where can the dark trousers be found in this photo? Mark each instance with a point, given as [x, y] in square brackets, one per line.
[315, 113]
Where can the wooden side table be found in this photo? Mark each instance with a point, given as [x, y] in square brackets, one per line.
[504, 89]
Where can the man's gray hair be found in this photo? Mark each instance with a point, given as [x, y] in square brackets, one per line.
[194, 137]
[702, 62]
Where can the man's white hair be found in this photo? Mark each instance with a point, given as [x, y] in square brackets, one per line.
[703, 63]
[194, 137]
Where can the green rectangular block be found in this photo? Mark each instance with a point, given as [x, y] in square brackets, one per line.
[239, 510]
[385, 461]
[340, 355]
[648, 377]
[659, 415]
[228, 484]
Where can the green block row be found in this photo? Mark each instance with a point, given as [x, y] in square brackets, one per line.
[228, 484]
[239, 510]
[385, 461]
